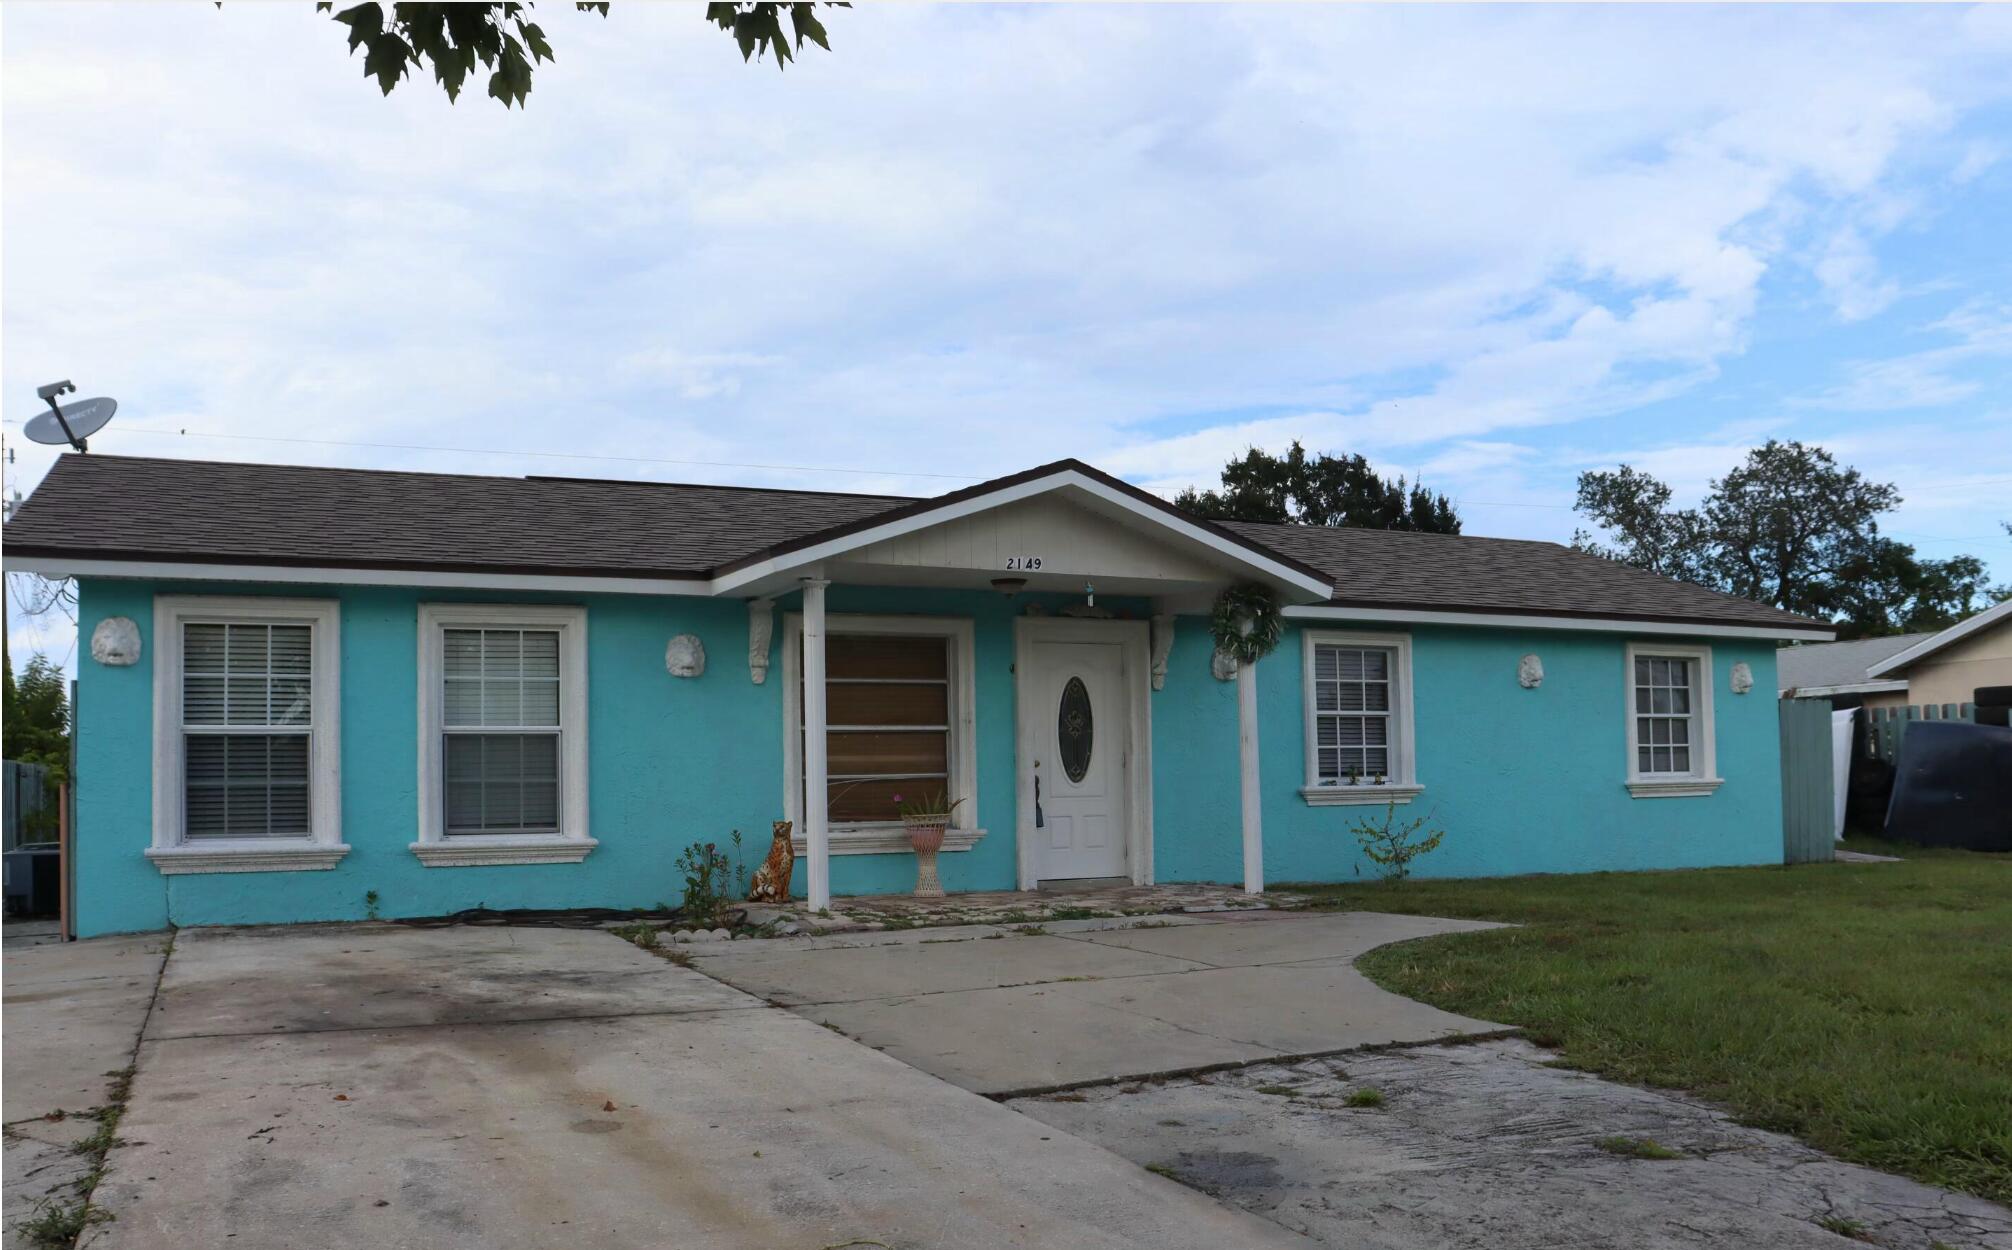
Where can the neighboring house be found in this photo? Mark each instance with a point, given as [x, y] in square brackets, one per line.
[315, 693]
[1952, 666]
[1841, 671]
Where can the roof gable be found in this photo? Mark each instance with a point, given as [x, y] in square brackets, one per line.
[1966, 628]
[1113, 500]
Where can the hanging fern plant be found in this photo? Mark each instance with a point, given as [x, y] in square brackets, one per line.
[1246, 623]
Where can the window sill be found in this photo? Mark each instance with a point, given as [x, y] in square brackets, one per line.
[174, 861]
[1673, 787]
[884, 840]
[482, 852]
[1359, 796]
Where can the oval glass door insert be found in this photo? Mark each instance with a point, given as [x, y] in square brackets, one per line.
[1074, 729]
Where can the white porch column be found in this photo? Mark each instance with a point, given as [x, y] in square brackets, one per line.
[1247, 761]
[816, 789]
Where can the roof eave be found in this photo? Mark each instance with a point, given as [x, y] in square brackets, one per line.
[1936, 642]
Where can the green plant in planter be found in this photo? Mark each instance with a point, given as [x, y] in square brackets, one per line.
[927, 809]
[1391, 844]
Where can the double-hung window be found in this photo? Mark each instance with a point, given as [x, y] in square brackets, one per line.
[898, 726]
[502, 734]
[1670, 741]
[247, 775]
[1359, 740]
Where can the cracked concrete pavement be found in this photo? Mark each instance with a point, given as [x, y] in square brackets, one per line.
[1009, 1010]
[520, 1087]
[74, 1014]
[1481, 1146]
[503, 1088]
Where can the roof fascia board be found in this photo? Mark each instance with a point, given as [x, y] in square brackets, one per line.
[1930, 645]
[297, 575]
[1224, 546]
[1511, 620]
[1855, 687]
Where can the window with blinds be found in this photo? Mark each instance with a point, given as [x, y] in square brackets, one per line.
[500, 731]
[1663, 703]
[247, 704]
[1352, 713]
[887, 722]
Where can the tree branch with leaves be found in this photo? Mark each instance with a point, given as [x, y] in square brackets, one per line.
[458, 39]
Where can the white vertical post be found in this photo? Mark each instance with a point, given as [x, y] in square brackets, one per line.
[816, 789]
[1247, 761]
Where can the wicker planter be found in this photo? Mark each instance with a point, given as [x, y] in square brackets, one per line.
[926, 836]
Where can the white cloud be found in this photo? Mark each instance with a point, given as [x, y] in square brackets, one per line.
[967, 239]
[1931, 378]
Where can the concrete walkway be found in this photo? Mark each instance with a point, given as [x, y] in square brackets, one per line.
[73, 1015]
[1006, 1010]
[1487, 1147]
[371, 1085]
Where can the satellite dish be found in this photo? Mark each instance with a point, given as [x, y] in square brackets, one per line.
[68, 423]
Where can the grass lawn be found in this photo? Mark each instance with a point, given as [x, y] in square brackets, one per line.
[1866, 1009]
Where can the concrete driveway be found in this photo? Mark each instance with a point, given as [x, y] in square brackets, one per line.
[379, 1086]
[1004, 1011]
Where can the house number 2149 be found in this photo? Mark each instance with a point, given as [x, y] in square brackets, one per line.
[1023, 563]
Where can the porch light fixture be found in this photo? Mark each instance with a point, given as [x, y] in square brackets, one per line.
[1009, 586]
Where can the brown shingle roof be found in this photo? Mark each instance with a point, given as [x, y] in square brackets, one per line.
[1449, 573]
[136, 508]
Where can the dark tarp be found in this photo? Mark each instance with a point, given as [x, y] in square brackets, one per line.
[1953, 786]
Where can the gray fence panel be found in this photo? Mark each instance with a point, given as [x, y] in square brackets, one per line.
[1807, 797]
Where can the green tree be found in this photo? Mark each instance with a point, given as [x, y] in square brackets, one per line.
[1298, 489]
[1788, 527]
[37, 729]
[1890, 590]
[454, 38]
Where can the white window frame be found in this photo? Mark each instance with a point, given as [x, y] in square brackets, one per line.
[323, 847]
[573, 842]
[1704, 775]
[884, 837]
[1403, 785]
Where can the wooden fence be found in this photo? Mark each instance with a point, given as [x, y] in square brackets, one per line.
[1880, 729]
[1808, 797]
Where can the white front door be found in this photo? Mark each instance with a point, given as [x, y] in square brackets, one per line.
[1076, 719]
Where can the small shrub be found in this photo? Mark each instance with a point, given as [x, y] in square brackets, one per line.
[1391, 844]
[1367, 1096]
[710, 885]
[1637, 1148]
[370, 901]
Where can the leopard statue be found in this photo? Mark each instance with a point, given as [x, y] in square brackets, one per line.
[771, 880]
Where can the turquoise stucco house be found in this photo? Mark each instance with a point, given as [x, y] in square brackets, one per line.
[308, 687]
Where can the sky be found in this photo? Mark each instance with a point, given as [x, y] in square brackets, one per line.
[1488, 247]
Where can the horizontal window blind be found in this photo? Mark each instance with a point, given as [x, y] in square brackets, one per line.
[887, 722]
[1352, 712]
[247, 704]
[500, 716]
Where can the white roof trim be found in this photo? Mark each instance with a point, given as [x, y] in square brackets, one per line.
[1511, 620]
[1851, 687]
[834, 547]
[1936, 642]
[295, 575]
